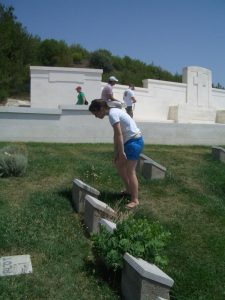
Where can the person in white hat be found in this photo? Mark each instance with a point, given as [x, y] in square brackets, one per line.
[107, 93]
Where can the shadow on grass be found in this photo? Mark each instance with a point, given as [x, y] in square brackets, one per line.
[67, 194]
[98, 268]
[113, 199]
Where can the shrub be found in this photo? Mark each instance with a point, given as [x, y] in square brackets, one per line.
[139, 237]
[12, 162]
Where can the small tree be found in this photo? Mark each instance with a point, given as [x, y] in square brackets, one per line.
[55, 53]
[102, 59]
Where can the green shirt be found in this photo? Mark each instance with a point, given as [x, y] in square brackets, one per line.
[80, 98]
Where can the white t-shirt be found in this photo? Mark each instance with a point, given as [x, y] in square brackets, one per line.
[127, 97]
[128, 126]
[106, 93]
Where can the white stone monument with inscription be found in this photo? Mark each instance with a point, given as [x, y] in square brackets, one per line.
[198, 107]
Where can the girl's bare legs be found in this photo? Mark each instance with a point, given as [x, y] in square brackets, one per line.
[127, 171]
[133, 183]
[122, 170]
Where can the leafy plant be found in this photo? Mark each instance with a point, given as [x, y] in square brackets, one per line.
[12, 162]
[139, 237]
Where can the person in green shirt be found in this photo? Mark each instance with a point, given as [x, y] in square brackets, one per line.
[81, 99]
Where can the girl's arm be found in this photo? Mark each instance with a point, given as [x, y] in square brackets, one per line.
[118, 143]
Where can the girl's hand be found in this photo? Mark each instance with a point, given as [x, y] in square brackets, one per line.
[120, 158]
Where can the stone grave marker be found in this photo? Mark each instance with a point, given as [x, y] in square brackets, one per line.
[142, 280]
[110, 226]
[79, 191]
[94, 211]
[150, 169]
[218, 153]
[15, 265]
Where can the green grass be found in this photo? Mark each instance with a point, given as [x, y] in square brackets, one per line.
[36, 218]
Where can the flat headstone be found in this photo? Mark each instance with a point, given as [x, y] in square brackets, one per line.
[94, 211]
[142, 280]
[15, 265]
[79, 191]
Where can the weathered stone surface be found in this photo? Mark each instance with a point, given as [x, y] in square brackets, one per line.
[141, 280]
[218, 153]
[15, 265]
[110, 226]
[140, 162]
[152, 170]
[94, 211]
[79, 191]
[220, 116]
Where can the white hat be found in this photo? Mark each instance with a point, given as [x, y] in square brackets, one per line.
[113, 78]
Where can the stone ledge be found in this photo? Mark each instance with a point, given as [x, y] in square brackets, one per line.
[73, 107]
[30, 110]
[154, 121]
[63, 69]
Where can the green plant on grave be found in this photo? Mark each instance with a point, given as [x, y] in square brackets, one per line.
[92, 174]
[139, 237]
[13, 161]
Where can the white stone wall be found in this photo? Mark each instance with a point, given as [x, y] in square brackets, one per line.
[218, 99]
[166, 112]
[154, 100]
[51, 86]
[162, 101]
[77, 125]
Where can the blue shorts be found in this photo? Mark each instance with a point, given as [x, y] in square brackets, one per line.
[133, 148]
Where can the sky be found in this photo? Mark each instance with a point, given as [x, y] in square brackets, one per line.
[172, 34]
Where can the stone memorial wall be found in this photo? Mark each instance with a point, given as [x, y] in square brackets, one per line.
[191, 112]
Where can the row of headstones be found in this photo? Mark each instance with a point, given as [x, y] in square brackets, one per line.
[150, 169]
[140, 279]
[218, 153]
